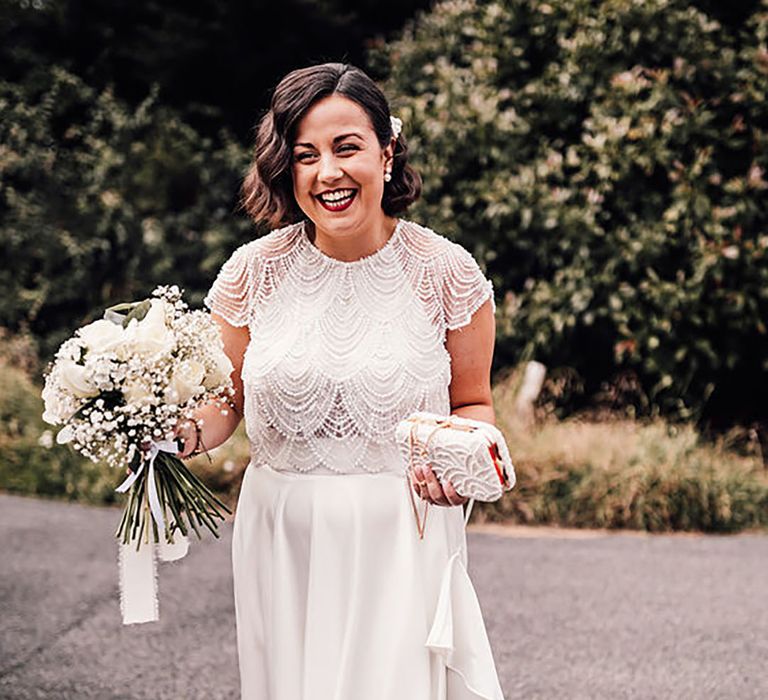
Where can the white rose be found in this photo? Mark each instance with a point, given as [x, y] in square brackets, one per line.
[102, 335]
[186, 381]
[151, 334]
[220, 373]
[57, 410]
[74, 379]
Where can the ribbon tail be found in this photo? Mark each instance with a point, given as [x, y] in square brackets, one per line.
[171, 551]
[129, 480]
[138, 583]
[154, 500]
[469, 510]
[166, 551]
[138, 568]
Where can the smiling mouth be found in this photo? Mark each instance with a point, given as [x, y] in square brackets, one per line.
[337, 200]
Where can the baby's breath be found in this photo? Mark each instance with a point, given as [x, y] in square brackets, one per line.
[111, 402]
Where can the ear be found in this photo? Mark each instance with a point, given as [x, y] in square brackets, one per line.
[389, 152]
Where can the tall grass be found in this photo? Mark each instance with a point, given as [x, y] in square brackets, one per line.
[625, 474]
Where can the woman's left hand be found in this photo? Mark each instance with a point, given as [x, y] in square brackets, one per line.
[434, 492]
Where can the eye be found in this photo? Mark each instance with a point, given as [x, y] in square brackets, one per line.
[345, 147]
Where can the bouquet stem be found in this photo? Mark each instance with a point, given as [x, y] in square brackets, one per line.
[181, 491]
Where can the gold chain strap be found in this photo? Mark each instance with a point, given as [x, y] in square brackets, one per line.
[410, 476]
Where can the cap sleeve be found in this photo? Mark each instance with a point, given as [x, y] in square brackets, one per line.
[232, 293]
[465, 287]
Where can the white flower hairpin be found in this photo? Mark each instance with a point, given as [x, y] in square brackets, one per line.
[397, 126]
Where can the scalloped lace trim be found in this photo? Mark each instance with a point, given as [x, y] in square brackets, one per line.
[341, 351]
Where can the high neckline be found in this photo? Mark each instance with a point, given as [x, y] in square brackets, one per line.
[316, 252]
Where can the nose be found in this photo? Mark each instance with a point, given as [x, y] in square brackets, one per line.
[329, 169]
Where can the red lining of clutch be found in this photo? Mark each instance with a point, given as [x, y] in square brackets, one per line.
[493, 450]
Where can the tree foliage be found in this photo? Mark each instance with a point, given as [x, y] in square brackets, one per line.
[213, 62]
[99, 203]
[606, 162]
[123, 132]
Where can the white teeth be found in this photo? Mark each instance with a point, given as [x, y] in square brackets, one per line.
[337, 196]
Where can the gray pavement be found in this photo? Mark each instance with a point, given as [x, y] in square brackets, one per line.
[592, 616]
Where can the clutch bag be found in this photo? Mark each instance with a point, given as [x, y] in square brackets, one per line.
[471, 454]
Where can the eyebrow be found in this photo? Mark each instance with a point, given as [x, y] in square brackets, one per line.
[337, 138]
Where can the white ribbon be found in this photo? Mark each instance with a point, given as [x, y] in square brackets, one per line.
[138, 569]
[468, 511]
[154, 501]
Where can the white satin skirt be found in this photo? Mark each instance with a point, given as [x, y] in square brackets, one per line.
[337, 598]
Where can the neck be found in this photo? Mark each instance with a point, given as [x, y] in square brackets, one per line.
[353, 244]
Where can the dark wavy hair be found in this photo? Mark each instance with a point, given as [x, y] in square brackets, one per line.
[267, 190]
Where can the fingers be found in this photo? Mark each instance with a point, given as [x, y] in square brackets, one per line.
[181, 429]
[183, 433]
[432, 490]
[439, 494]
[419, 483]
[453, 496]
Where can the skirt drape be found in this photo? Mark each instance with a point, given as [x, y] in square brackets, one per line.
[337, 598]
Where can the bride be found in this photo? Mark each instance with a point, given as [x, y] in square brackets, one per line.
[341, 321]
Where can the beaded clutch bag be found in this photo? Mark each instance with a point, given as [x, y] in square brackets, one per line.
[471, 454]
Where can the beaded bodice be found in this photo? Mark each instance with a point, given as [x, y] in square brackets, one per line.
[341, 351]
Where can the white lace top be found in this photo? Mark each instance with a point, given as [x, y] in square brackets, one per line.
[340, 351]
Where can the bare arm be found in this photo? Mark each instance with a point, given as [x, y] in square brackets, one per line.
[471, 350]
[217, 427]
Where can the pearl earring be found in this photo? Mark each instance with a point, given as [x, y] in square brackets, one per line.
[387, 176]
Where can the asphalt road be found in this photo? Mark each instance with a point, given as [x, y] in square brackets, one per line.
[584, 615]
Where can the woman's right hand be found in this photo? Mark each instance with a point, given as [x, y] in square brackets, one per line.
[186, 431]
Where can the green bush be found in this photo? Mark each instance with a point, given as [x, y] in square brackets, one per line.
[30, 460]
[606, 163]
[100, 203]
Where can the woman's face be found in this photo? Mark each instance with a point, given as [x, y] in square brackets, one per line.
[336, 151]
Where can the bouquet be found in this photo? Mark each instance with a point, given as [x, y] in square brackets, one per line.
[119, 387]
